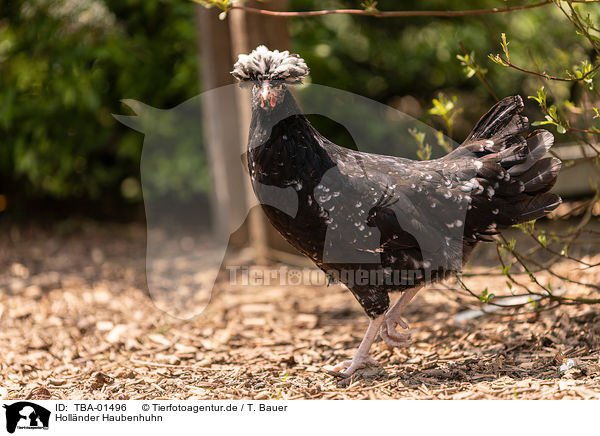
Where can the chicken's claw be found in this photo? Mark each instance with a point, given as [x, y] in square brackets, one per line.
[348, 367]
[389, 334]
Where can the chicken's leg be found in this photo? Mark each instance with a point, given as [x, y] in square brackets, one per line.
[385, 325]
[392, 318]
[361, 357]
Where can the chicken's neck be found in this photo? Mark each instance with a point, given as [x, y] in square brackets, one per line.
[283, 147]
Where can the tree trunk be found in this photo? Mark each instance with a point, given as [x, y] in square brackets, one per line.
[247, 32]
[227, 120]
[222, 128]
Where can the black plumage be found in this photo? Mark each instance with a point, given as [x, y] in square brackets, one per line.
[382, 215]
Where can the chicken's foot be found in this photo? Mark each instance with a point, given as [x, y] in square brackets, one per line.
[361, 357]
[393, 318]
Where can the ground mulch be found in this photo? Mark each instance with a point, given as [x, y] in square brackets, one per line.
[77, 322]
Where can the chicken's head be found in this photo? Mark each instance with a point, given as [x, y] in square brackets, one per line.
[269, 72]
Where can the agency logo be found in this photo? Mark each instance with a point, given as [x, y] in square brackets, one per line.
[175, 138]
[25, 415]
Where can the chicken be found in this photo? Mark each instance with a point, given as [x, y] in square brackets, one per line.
[382, 224]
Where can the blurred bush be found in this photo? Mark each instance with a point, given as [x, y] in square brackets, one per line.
[406, 62]
[64, 66]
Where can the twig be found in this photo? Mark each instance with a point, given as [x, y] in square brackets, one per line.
[547, 76]
[168, 365]
[574, 18]
[550, 294]
[479, 75]
[556, 253]
[395, 14]
[552, 273]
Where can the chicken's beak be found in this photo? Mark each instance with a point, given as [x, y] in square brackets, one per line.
[268, 96]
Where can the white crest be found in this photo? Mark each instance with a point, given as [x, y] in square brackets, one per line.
[264, 64]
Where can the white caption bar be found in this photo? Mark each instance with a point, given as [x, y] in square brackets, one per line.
[88, 418]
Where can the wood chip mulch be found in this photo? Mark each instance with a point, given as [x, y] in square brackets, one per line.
[76, 322]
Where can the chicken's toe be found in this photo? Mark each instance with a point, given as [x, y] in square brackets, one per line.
[389, 334]
[348, 367]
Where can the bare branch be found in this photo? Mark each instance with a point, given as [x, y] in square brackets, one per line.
[395, 14]
[546, 76]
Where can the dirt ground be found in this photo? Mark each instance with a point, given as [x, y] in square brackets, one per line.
[76, 322]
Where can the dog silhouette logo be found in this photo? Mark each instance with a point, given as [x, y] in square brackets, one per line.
[26, 415]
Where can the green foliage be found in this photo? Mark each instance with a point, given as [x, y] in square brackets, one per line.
[402, 60]
[224, 5]
[369, 5]
[65, 65]
[540, 97]
[470, 65]
[447, 109]
[415, 56]
[504, 46]
[584, 72]
[486, 297]
[551, 112]
[424, 149]
[542, 239]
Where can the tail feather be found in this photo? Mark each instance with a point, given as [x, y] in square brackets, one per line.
[501, 120]
[513, 172]
[538, 144]
[538, 206]
[542, 175]
[513, 155]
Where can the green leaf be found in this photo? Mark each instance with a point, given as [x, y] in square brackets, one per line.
[425, 153]
[541, 123]
[542, 239]
[470, 66]
[485, 297]
[504, 45]
[540, 98]
[369, 6]
[497, 60]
